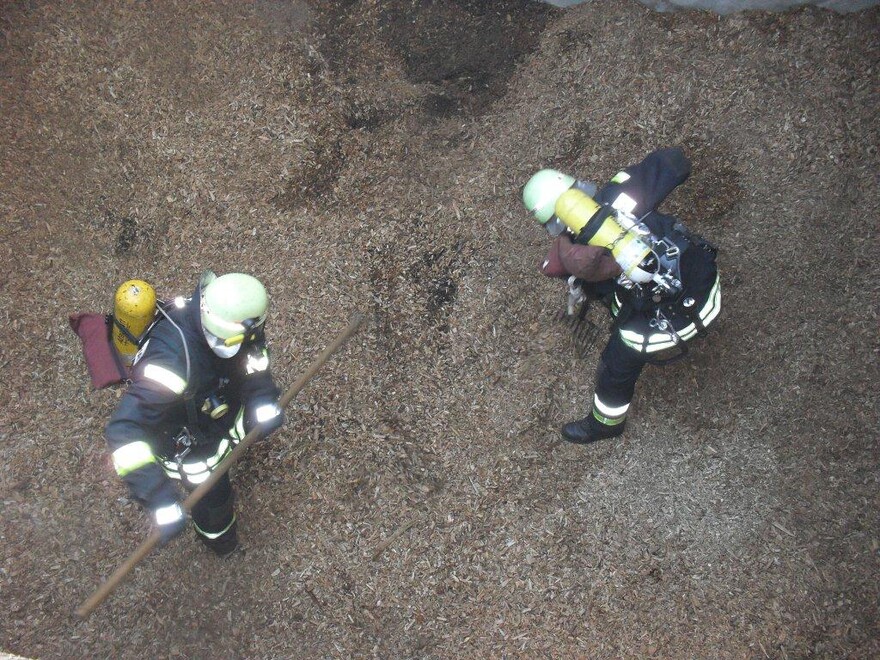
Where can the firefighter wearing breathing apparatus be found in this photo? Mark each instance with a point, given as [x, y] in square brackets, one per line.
[199, 383]
[659, 280]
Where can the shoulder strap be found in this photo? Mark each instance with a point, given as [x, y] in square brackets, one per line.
[192, 417]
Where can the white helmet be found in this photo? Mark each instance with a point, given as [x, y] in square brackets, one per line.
[540, 194]
[233, 310]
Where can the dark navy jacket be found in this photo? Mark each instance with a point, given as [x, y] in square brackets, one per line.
[648, 184]
[154, 408]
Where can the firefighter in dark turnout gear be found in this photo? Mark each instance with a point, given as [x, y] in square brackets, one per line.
[199, 384]
[659, 280]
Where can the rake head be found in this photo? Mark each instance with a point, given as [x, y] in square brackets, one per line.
[584, 332]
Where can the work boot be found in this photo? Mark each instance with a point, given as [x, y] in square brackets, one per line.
[223, 545]
[589, 429]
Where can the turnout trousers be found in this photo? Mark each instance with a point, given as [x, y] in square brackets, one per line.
[213, 515]
[616, 376]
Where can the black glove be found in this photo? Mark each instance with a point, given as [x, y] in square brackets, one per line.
[266, 414]
[170, 521]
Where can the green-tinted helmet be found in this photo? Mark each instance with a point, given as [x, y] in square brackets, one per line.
[542, 191]
[232, 305]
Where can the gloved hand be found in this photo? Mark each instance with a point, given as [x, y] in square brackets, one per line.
[576, 295]
[267, 415]
[170, 520]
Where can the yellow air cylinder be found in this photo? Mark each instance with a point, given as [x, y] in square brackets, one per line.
[134, 307]
[576, 209]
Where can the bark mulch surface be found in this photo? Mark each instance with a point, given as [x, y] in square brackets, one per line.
[363, 156]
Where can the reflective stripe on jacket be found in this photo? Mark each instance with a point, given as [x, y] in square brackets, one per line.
[174, 375]
[638, 333]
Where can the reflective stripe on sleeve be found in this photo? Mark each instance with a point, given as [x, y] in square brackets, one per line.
[624, 203]
[132, 456]
[165, 377]
[620, 177]
[266, 412]
[165, 515]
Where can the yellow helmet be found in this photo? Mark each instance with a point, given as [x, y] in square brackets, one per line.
[542, 190]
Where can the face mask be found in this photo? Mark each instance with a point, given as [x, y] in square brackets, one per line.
[219, 347]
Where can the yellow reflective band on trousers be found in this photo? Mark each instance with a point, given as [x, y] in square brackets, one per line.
[266, 412]
[168, 514]
[662, 340]
[608, 415]
[165, 377]
[132, 456]
[196, 471]
[214, 535]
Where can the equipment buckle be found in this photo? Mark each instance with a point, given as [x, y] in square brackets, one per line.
[671, 249]
[183, 444]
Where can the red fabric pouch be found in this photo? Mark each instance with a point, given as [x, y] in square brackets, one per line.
[102, 360]
[552, 264]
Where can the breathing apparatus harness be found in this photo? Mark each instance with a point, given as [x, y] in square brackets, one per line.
[214, 404]
[185, 439]
[651, 265]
